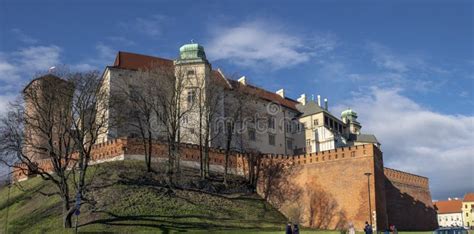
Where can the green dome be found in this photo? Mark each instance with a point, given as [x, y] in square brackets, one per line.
[348, 113]
[192, 51]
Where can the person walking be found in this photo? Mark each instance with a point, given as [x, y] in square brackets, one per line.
[368, 228]
[296, 230]
[288, 228]
[351, 228]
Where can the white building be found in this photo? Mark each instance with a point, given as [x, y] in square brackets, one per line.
[289, 126]
[449, 213]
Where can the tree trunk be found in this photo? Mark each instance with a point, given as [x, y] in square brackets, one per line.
[230, 131]
[170, 161]
[67, 214]
[148, 157]
[206, 153]
[226, 166]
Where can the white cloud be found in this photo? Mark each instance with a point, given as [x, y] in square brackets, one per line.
[5, 99]
[419, 140]
[105, 56]
[8, 71]
[257, 43]
[26, 61]
[384, 58]
[23, 37]
[151, 26]
[121, 40]
[38, 58]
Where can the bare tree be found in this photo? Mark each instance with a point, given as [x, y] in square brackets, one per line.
[210, 110]
[140, 104]
[90, 105]
[238, 109]
[36, 129]
[172, 107]
[51, 131]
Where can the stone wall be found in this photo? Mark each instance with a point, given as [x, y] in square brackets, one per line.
[332, 189]
[411, 194]
[328, 189]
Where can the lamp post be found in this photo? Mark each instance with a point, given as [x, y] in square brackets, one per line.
[368, 189]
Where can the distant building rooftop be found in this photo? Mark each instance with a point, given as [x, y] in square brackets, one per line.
[469, 197]
[449, 206]
[369, 138]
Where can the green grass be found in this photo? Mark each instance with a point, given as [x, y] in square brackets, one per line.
[128, 200]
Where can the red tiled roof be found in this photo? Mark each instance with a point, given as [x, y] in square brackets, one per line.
[445, 207]
[132, 61]
[469, 197]
[264, 94]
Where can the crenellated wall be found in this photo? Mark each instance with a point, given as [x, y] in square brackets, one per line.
[335, 178]
[409, 193]
[333, 188]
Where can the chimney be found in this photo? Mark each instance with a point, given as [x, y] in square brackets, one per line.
[242, 80]
[326, 103]
[281, 92]
[302, 99]
[319, 100]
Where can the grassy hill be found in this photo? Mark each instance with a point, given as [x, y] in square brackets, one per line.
[129, 200]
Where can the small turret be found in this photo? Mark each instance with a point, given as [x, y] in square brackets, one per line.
[349, 117]
[191, 53]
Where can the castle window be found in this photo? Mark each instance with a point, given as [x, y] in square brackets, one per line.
[190, 72]
[134, 93]
[271, 122]
[287, 126]
[289, 143]
[308, 142]
[191, 130]
[271, 139]
[316, 122]
[326, 121]
[191, 97]
[252, 135]
[185, 119]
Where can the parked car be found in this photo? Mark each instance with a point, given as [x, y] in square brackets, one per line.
[451, 230]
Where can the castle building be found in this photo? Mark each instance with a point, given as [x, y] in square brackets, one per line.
[332, 161]
[281, 126]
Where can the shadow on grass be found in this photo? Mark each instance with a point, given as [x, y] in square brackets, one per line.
[167, 223]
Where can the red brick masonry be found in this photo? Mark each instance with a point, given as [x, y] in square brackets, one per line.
[397, 197]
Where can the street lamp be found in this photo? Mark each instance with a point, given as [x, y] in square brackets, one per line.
[368, 189]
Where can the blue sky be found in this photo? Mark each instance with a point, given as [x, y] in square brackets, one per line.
[406, 67]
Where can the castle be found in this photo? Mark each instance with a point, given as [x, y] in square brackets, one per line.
[280, 125]
[337, 170]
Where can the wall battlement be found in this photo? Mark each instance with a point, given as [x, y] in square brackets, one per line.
[406, 178]
[338, 173]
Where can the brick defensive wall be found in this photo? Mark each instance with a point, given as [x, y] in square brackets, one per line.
[335, 178]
